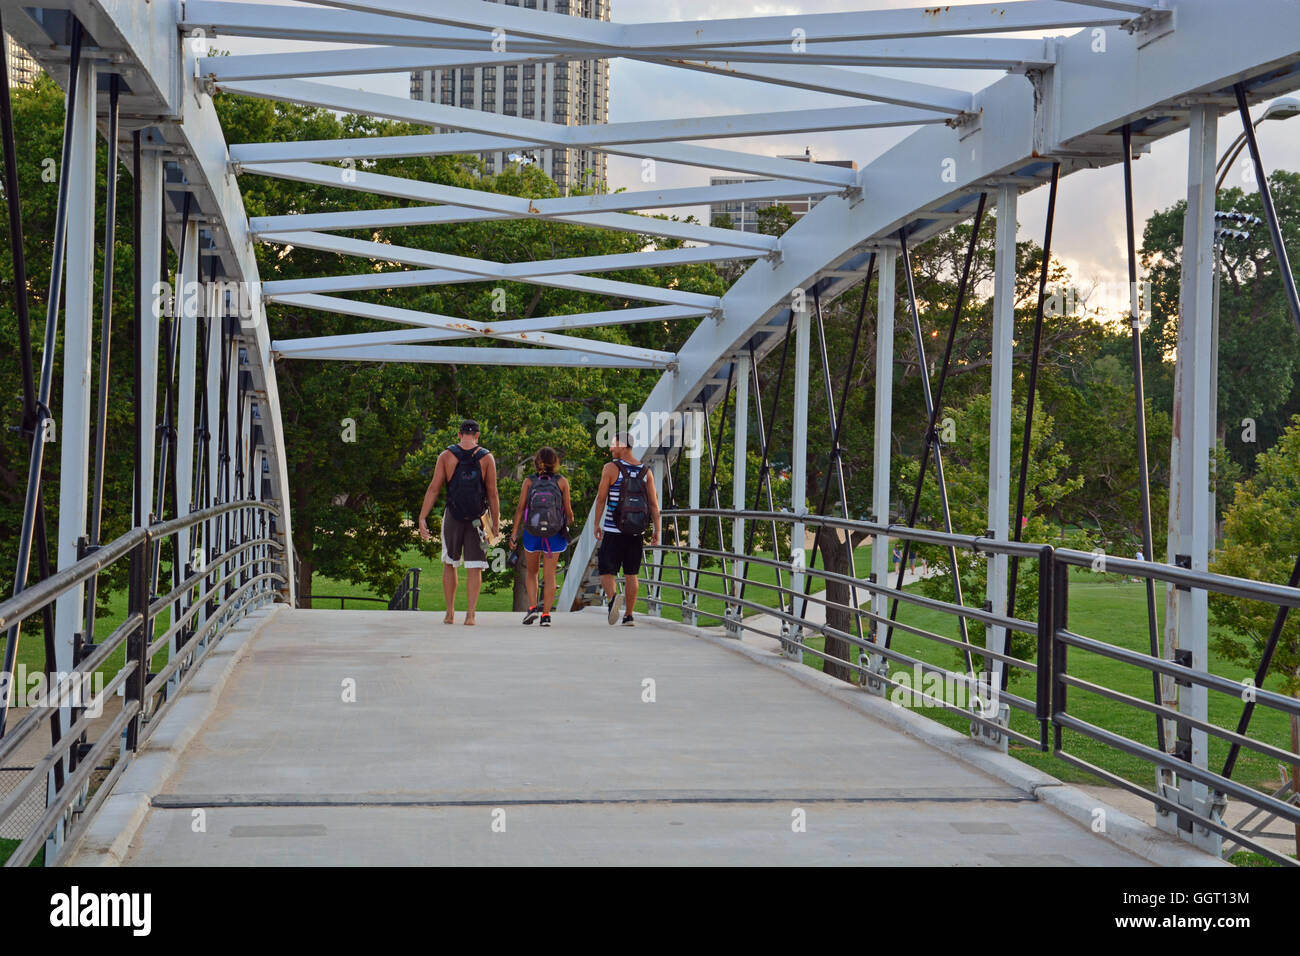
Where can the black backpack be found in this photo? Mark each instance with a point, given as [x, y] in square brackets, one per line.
[545, 515]
[466, 492]
[632, 513]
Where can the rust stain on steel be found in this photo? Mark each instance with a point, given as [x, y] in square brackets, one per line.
[934, 11]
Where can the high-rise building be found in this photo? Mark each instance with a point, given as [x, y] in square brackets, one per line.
[575, 93]
[744, 213]
[22, 68]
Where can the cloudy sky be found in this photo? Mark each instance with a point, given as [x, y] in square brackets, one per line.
[1090, 231]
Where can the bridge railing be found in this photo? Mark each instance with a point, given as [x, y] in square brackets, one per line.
[75, 775]
[771, 596]
[1246, 700]
[405, 598]
[767, 595]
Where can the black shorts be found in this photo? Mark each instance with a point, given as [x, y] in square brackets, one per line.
[619, 551]
[461, 538]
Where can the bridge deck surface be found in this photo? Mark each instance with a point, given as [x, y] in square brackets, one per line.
[455, 728]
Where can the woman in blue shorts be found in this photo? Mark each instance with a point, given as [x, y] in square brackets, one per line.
[543, 519]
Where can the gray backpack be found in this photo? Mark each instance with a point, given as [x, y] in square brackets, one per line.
[545, 514]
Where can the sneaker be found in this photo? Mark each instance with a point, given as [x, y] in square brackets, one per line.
[531, 614]
[627, 620]
[546, 620]
[615, 604]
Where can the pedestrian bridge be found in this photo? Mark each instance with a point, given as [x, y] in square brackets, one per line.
[370, 737]
[235, 742]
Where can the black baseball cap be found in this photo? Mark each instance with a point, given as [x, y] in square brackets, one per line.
[469, 427]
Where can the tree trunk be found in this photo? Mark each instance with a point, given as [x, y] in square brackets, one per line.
[835, 558]
[521, 581]
[304, 544]
[303, 582]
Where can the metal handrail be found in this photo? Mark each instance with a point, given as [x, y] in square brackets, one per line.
[405, 598]
[1220, 784]
[739, 614]
[252, 560]
[23, 605]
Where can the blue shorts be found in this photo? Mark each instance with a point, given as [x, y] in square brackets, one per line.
[555, 544]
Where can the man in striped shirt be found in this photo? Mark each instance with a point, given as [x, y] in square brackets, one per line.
[620, 532]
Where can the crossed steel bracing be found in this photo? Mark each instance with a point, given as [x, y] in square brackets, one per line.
[1113, 76]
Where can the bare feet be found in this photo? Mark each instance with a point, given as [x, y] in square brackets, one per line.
[469, 618]
[449, 617]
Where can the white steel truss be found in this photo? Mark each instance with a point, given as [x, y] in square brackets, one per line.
[1062, 102]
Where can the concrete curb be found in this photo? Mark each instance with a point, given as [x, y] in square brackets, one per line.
[108, 838]
[1122, 829]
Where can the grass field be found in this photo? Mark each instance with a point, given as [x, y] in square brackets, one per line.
[1114, 612]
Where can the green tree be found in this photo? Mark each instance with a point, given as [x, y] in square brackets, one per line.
[1261, 531]
[1258, 347]
[352, 501]
[966, 466]
[774, 220]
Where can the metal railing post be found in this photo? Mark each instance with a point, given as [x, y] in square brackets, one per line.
[1060, 620]
[799, 464]
[1046, 641]
[1191, 460]
[739, 469]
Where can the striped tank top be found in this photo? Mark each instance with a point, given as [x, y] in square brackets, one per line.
[614, 491]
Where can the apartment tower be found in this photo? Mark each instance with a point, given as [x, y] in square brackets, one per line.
[573, 93]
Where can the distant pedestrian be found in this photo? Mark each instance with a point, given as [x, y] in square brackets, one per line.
[470, 474]
[542, 519]
[628, 506]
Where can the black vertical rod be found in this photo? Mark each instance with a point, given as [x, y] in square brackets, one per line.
[670, 488]
[835, 459]
[764, 470]
[933, 410]
[105, 356]
[1270, 212]
[30, 425]
[33, 523]
[1140, 419]
[931, 436]
[714, 458]
[1031, 398]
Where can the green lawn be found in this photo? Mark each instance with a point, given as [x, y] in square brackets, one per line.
[760, 584]
[1114, 612]
[430, 590]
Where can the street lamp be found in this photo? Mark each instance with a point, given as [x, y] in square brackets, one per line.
[1280, 109]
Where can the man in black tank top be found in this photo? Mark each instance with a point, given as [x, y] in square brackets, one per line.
[461, 543]
[627, 501]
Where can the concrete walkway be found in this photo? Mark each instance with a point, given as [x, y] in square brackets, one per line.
[381, 737]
